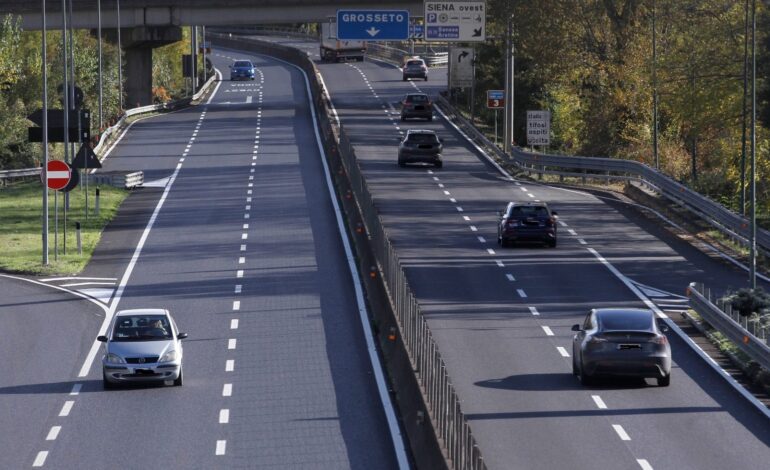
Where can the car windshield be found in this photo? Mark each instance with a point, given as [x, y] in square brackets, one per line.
[625, 320]
[529, 211]
[416, 98]
[423, 138]
[142, 328]
[242, 64]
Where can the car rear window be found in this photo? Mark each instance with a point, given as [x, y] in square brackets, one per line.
[416, 98]
[529, 211]
[242, 63]
[423, 138]
[411, 63]
[625, 320]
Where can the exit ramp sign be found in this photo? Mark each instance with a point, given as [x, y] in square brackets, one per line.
[373, 25]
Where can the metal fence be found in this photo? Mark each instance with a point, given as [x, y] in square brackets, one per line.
[750, 336]
[731, 224]
[444, 408]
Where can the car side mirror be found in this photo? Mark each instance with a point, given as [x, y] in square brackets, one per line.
[181, 336]
[576, 328]
[102, 339]
[554, 213]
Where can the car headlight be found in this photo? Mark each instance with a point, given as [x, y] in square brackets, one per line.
[115, 359]
[168, 357]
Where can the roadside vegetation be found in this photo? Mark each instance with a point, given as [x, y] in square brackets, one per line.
[590, 63]
[21, 230]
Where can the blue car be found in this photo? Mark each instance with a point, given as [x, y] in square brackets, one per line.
[242, 70]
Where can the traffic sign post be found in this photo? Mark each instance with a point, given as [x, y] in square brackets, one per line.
[373, 25]
[449, 21]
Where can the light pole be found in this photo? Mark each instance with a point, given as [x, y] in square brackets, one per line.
[99, 39]
[745, 89]
[65, 92]
[120, 61]
[508, 132]
[753, 182]
[654, 91]
[45, 143]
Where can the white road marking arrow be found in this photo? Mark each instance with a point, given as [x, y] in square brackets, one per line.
[373, 31]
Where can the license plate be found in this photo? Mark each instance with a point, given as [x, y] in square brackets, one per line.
[629, 346]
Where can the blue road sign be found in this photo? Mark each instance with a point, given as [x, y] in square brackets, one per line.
[496, 94]
[372, 25]
[416, 31]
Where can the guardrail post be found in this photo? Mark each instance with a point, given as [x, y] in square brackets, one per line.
[96, 204]
[77, 237]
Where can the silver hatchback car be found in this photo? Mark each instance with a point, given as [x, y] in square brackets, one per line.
[142, 345]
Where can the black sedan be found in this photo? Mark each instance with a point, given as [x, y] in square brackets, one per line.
[621, 342]
[420, 146]
[416, 105]
[527, 221]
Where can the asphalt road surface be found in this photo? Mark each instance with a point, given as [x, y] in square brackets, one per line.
[246, 254]
[502, 317]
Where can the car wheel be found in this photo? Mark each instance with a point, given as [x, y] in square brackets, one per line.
[403, 118]
[178, 380]
[439, 164]
[584, 378]
[504, 243]
[552, 243]
[574, 367]
[430, 118]
[426, 78]
[403, 79]
[106, 383]
[664, 381]
[401, 164]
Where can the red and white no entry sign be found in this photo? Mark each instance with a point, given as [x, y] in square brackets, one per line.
[59, 174]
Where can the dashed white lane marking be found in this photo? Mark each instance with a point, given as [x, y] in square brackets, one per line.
[239, 273]
[562, 351]
[244, 236]
[474, 229]
[510, 277]
[234, 324]
[435, 178]
[246, 216]
[221, 446]
[453, 200]
[459, 209]
[248, 199]
[227, 390]
[621, 432]
[224, 416]
[65, 410]
[599, 402]
[40, 459]
[76, 389]
[232, 343]
[582, 242]
[521, 293]
[563, 224]
[533, 311]
[440, 185]
[446, 193]
[466, 218]
[230, 365]
[572, 232]
[236, 304]
[482, 240]
[490, 251]
[53, 433]
[241, 260]
[644, 464]
[548, 331]
[499, 263]
[245, 226]
[524, 189]
[238, 288]
[530, 195]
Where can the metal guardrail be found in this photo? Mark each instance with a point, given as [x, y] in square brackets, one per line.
[396, 55]
[750, 337]
[9, 175]
[733, 225]
[444, 407]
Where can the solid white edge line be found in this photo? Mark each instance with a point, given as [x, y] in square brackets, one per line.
[63, 289]
[395, 431]
[673, 326]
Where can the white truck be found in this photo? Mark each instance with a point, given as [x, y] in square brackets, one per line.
[333, 49]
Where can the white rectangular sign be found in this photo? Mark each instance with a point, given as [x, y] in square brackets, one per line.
[455, 21]
[461, 67]
[538, 128]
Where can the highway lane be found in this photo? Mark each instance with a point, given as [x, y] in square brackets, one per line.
[500, 316]
[245, 253]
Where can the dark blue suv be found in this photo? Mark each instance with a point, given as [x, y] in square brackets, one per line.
[242, 69]
[527, 221]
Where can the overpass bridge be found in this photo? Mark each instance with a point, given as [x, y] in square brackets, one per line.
[146, 24]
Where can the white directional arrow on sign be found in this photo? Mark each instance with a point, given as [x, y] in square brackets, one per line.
[372, 31]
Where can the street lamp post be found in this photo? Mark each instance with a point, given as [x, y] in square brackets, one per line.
[99, 38]
[654, 91]
[120, 61]
[45, 141]
[753, 177]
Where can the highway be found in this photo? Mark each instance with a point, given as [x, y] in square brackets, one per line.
[236, 235]
[502, 317]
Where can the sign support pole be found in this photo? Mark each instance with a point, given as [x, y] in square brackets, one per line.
[497, 111]
[45, 141]
[473, 87]
[65, 91]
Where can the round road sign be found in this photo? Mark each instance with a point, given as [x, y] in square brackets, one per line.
[59, 174]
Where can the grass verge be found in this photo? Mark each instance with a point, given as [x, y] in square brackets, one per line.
[21, 228]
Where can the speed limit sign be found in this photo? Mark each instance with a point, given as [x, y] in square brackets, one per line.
[495, 99]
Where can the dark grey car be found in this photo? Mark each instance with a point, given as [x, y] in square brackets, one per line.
[527, 221]
[621, 342]
[420, 146]
[416, 105]
[415, 68]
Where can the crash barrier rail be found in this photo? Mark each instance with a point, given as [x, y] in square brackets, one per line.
[733, 225]
[750, 336]
[396, 55]
[112, 131]
[449, 421]
[127, 180]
